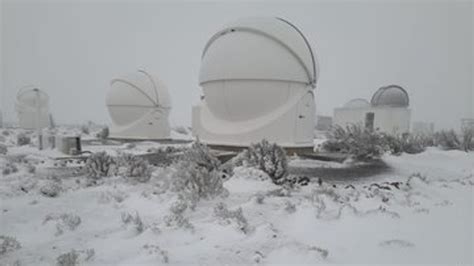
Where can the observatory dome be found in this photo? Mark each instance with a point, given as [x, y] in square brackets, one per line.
[253, 69]
[392, 96]
[357, 103]
[32, 106]
[139, 106]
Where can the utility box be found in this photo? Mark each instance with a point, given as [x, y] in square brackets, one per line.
[70, 145]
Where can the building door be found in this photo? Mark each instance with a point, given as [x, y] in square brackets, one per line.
[305, 119]
[369, 121]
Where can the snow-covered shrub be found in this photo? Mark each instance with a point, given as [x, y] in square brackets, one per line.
[3, 149]
[154, 249]
[100, 164]
[198, 174]
[103, 134]
[22, 139]
[135, 167]
[290, 207]
[268, 157]
[50, 189]
[360, 143]
[448, 140]
[408, 143]
[73, 257]
[176, 217]
[227, 216]
[134, 220]
[9, 168]
[117, 196]
[467, 139]
[85, 130]
[64, 221]
[68, 259]
[30, 168]
[8, 244]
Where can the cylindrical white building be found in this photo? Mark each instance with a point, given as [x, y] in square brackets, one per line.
[388, 111]
[32, 107]
[139, 105]
[258, 77]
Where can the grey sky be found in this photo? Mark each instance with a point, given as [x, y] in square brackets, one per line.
[73, 49]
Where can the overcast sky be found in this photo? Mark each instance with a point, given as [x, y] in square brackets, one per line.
[73, 49]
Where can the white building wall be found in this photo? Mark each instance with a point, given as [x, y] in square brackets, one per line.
[393, 120]
[346, 116]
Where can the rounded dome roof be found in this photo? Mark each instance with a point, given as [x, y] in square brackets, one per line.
[357, 103]
[131, 96]
[138, 89]
[259, 48]
[392, 95]
[31, 97]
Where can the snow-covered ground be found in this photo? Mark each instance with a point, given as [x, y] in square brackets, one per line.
[419, 211]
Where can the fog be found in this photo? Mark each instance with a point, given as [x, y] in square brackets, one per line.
[73, 49]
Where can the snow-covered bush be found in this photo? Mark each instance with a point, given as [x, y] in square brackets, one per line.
[198, 175]
[3, 149]
[176, 217]
[22, 139]
[134, 220]
[68, 259]
[8, 244]
[103, 134]
[9, 168]
[85, 130]
[268, 157]
[154, 249]
[100, 164]
[290, 207]
[73, 257]
[467, 139]
[408, 143]
[50, 189]
[227, 216]
[360, 143]
[448, 140]
[30, 168]
[135, 167]
[63, 221]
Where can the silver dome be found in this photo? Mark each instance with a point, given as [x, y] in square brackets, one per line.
[392, 95]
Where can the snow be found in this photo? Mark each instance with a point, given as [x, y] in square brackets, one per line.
[427, 220]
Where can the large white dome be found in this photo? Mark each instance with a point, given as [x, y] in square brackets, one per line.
[260, 48]
[139, 106]
[257, 76]
[392, 96]
[32, 106]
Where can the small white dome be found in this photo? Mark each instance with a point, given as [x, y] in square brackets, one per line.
[261, 48]
[32, 106]
[139, 105]
[133, 95]
[357, 103]
[392, 95]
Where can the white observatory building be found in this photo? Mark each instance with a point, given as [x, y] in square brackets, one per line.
[388, 111]
[139, 105]
[258, 77]
[32, 107]
[353, 112]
